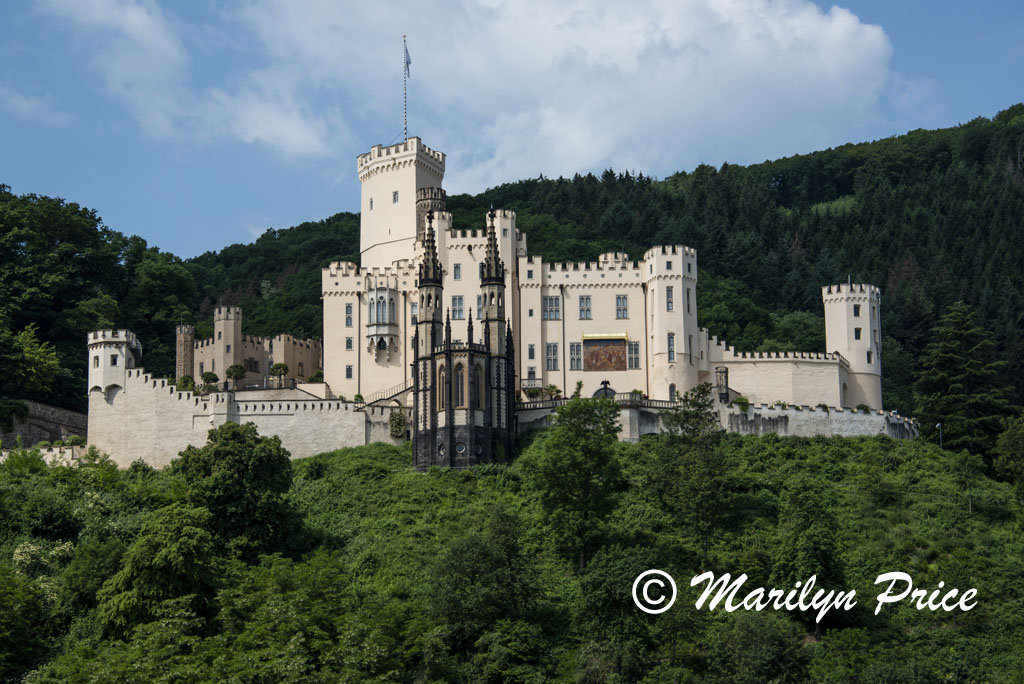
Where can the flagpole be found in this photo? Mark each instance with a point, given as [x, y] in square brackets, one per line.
[405, 92]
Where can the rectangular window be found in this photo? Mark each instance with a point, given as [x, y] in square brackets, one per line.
[529, 274]
[530, 313]
[457, 272]
[479, 307]
[95, 362]
[856, 333]
[531, 373]
[414, 310]
[585, 308]
[689, 347]
[668, 265]
[689, 267]
[371, 204]
[689, 303]
[552, 308]
[348, 372]
[229, 349]
[348, 344]
[856, 309]
[869, 357]
[668, 298]
[113, 359]
[621, 306]
[201, 371]
[394, 197]
[633, 355]
[348, 315]
[458, 310]
[671, 347]
[575, 356]
[218, 334]
[530, 352]
[551, 358]
[213, 366]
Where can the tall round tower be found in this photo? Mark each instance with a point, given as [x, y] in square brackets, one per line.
[184, 350]
[852, 329]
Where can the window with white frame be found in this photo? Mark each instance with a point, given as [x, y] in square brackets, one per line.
[348, 315]
[457, 272]
[458, 309]
[552, 308]
[348, 372]
[551, 358]
[531, 373]
[575, 356]
[348, 344]
[621, 306]
[633, 355]
[585, 307]
[671, 347]
[668, 298]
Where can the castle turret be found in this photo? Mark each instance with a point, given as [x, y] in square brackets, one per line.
[227, 337]
[392, 178]
[492, 290]
[111, 354]
[852, 330]
[185, 337]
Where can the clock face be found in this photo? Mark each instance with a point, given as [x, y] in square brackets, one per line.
[460, 448]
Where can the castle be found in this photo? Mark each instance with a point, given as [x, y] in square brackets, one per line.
[456, 331]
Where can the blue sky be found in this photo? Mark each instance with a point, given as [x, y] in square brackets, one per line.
[197, 125]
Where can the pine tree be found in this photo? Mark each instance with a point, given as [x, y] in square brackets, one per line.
[962, 384]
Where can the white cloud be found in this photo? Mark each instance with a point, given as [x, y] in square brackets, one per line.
[515, 88]
[31, 108]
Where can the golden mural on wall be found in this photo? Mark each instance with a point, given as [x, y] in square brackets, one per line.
[604, 355]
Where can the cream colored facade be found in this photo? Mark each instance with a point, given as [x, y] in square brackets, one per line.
[229, 346]
[630, 324]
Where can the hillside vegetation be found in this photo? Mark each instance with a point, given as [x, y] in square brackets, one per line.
[932, 217]
[236, 565]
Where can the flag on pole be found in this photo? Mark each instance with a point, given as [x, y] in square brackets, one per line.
[407, 60]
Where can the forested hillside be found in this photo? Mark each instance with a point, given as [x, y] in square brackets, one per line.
[238, 565]
[932, 217]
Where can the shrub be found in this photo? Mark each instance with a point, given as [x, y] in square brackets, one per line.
[75, 440]
[396, 424]
[43, 444]
[742, 403]
[823, 407]
[358, 398]
[316, 377]
[863, 408]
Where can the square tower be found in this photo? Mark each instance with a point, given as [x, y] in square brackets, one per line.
[391, 176]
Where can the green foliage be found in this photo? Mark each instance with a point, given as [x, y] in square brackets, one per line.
[210, 378]
[396, 424]
[186, 383]
[1009, 455]
[575, 470]
[24, 632]
[962, 385]
[9, 410]
[317, 376]
[742, 403]
[235, 373]
[173, 557]
[241, 479]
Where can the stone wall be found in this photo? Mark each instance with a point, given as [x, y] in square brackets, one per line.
[44, 422]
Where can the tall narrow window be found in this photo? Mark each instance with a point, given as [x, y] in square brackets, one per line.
[113, 360]
[689, 347]
[348, 372]
[460, 386]
[856, 309]
[531, 352]
[552, 308]
[394, 197]
[668, 298]
[474, 389]
[585, 307]
[348, 344]
[457, 272]
[531, 373]
[621, 306]
[458, 309]
[442, 391]
[671, 347]
[575, 356]
[95, 362]
[869, 357]
[689, 304]
[479, 307]
[633, 355]
[856, 333]
[414, 311]
[551, 358]
[348, 315]
[371, 204]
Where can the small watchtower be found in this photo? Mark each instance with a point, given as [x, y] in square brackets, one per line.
[852, 329]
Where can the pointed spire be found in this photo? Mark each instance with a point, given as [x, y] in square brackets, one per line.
[469, 334]
[447, 326]
[494, 270]
[430, 268]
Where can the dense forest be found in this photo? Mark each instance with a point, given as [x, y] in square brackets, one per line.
[238, 565]
[932, 217]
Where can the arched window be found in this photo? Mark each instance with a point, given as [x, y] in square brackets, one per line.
[391, 310]
[671, 392]
[460, 386]
[441, 377]
[382, 311]
[373, 312]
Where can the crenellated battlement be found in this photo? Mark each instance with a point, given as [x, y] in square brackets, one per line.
[112, 336]
[846, 291]
[227, 313]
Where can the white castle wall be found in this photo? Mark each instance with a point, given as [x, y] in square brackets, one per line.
[810, 421]
[150, 419]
